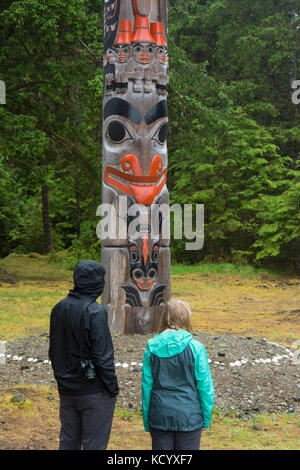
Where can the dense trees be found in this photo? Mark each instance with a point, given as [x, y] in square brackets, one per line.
[234, 131]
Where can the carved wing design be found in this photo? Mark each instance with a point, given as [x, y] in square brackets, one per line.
[158, 296]
[111, 17]
[132, 296]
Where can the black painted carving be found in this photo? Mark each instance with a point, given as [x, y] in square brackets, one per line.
[133, 297]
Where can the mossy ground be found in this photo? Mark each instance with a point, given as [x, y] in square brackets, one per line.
[35, 425]
[223, 300]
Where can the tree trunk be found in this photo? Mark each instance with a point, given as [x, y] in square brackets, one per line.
[78, 218]
[46, 220]
[293, 61]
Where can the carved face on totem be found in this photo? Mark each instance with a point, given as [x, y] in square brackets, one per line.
[123, 53]
[110, 56]
[135, 140]
[143, 52]
[161, 54]
[143, 263]
[136, 149]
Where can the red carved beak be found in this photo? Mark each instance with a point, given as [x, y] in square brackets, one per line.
[143, 188]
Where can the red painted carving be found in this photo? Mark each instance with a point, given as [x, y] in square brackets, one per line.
[143, 188]
[145, 249]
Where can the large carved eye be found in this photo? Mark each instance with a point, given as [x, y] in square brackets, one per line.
[138, 274]
[117, 132]
[152, 273]
[161, 134]
[155, 254]
[134, 256]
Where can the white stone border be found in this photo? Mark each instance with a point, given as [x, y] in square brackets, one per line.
[238, 363]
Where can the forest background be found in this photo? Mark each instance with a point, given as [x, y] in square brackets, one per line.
[234, 133]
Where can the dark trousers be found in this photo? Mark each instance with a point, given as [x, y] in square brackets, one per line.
[86, 421]
[175, 440]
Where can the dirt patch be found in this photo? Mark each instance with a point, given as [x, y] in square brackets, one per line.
[29, 425]
[225, 303]
[36, 427]
[251, 375]
[5, 278]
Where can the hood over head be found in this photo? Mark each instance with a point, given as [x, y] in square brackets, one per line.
[88, 279]
[169, 343]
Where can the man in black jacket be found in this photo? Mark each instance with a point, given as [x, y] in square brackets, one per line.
[79, 333]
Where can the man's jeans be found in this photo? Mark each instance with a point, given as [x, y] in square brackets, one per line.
[86, 421]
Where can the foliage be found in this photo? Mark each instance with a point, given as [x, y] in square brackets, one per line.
[233, 140]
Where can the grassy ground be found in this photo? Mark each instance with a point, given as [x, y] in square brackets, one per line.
[224, 299]
[35, 425]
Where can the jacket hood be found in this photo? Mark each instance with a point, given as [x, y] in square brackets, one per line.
[169, 343]
[88, 279]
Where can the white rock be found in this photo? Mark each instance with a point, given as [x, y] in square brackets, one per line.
[133, 363]
[125, 366]
[118, 364]
[8, 356]
[30, 359]
[140, 364]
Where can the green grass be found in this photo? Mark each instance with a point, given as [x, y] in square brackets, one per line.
[211, 289]
[25, 307]
[34, 267]
[224, 268]
[55, 266]
[36, 423]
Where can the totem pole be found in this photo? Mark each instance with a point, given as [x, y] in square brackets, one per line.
[135, 125]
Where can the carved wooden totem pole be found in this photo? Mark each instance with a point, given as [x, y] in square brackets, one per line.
[135, 125]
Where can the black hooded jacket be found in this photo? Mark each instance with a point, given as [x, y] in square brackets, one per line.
[66, 335]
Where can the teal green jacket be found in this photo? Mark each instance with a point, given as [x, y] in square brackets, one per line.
[177, 388]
